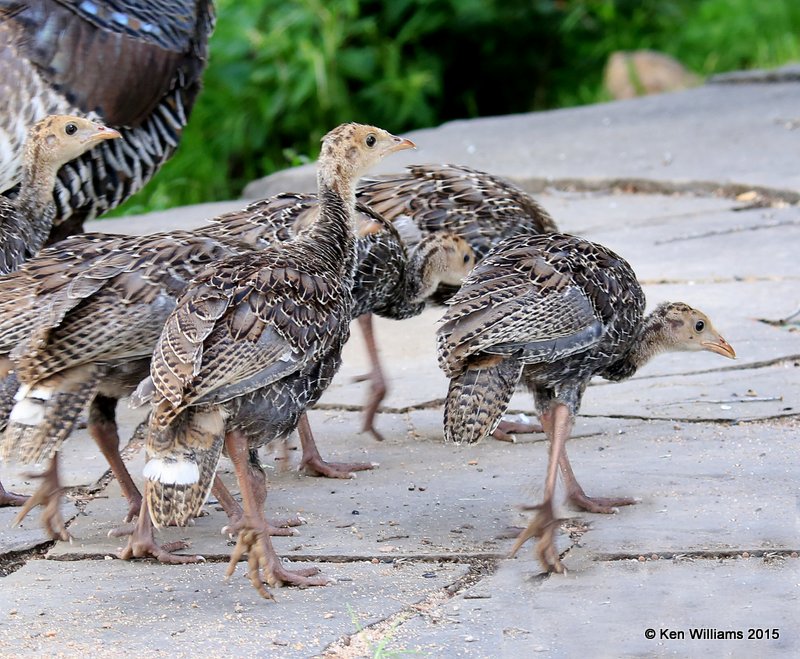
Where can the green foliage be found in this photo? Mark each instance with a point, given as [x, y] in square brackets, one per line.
[283, 73]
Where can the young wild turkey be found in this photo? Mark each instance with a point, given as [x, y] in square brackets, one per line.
[135, 65]
[553, 310]
[251, 344]
[481, 208]
[25, 221]
[108, 296]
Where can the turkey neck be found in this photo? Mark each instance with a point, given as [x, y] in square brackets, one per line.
[649, 341]
[35, 204]
[424, 270]
[334, 230]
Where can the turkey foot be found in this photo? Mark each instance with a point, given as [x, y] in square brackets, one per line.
[578, 498]
[142, 544]
[47, 494]
[316, 466]
[506, 430]
[262, 557]
[604, 505]
[11, 498]
[377, 383]
[235, 513]
[280, 527]
[542, 526]
[312, 462]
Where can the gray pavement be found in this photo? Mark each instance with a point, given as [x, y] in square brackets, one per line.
[698, 191]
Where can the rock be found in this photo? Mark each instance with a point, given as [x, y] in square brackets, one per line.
[642, 72]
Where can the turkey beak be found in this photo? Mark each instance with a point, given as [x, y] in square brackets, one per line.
[103, 133]
[400, 144]
[721, 347]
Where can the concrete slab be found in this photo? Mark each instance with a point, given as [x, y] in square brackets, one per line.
[29, 534]
[98, 608]
[582, 213]
[715, 396]
[711, 250]
[701, 488]
[717, 135]
[415, 503]
[81, 466]
[431, 499]
[607, 610]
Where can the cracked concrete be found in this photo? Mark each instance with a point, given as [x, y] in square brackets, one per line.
[417, 547]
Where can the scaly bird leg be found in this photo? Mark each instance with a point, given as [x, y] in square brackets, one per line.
[235, 513]
[312, 462]
[377, 383]
[103, 429]
[142, 543]
[11, 498]
[545, 523]
[577, 496]
[253, 538]
[47, 494]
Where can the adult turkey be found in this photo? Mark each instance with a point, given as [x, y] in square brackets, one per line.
[134, 65]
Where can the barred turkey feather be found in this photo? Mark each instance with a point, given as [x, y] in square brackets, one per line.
[182, 462]
[157, 51]
[37, 432]
[477, 398]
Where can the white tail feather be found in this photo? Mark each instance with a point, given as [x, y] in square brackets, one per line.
[40, 393]
[172, 472]
[27, 412]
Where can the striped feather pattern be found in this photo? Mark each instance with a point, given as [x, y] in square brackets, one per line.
[479, 207]
[54, 58]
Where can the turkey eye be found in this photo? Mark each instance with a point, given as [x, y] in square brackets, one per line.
[699, 326]
[466, 258]
[70, 129]
[371, 139]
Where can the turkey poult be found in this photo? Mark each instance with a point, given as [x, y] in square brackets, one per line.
[481, 208]
[553, 310]
[108, 296]
[252, 343]
[134, 65]
[25, 221]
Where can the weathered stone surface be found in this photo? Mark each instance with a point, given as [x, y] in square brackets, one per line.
[607, 609]
[97, 608]
[699, 139]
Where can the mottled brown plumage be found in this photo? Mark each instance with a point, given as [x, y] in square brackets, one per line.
[25, 221]
[256, 339]
[554, 311]
[480, 208]
[105, 299]
[135, 65]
